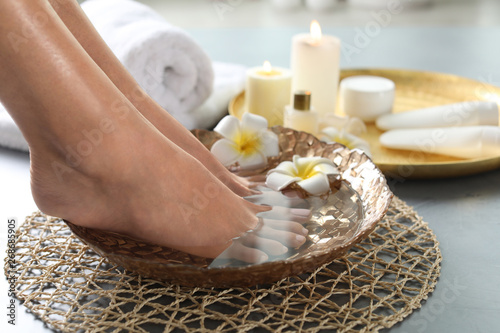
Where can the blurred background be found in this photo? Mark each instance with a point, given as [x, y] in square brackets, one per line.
[418, 34]
[335, 13]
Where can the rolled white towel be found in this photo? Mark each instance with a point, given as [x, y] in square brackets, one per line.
[229, 82]
[164, 59]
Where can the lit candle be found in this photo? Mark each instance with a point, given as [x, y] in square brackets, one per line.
[315, 66]
[268, 92]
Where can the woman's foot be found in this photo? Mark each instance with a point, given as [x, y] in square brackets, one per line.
[135, 182]
[97, 162]
[79, 25]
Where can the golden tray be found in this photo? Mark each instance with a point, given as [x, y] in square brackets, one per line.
[415, 90]
[361, 201]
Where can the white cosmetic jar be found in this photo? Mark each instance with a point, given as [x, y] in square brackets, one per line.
[366, 97]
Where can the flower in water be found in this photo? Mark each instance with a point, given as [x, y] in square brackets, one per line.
[351, 125]
[310, 173]
[248, 142]
[331, 134]
[344, 130]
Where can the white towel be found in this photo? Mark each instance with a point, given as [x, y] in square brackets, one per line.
[10, 135]
[229, 82]
[172, 68]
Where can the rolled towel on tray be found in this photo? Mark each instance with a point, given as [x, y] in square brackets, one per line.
[165, 61]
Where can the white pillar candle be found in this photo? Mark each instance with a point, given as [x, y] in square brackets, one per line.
[268, 92]
[315, 67]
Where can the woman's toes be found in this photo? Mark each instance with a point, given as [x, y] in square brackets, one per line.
[239, 251]
[243, 181]
[288, 226]
[254, 179]
[286, 237]
[266, 245]
[273, 198]
[285, 214]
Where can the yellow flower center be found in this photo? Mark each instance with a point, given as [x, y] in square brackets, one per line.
[344, 141]
[304, 172]
[248, 143]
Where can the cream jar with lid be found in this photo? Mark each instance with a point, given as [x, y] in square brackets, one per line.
[301, 116]
[366, 97]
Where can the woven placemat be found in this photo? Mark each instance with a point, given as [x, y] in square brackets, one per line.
[380, 282]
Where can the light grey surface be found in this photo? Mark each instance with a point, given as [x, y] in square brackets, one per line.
[463, 212]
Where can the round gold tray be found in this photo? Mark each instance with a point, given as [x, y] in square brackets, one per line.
[415, 90]
[348, 219]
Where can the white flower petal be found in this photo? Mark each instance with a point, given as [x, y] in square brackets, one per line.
[350, 140]
[316, 185]
[334, 121]
[225, 151]
[311, 173]
[353, 140]
[304, 165]
[303, 162]
[362, 145]
[253, 122]
[252, 161]
[228, 127]
[326, 168]
[270, 145]
[285, 167]
[329, 134]
[355, 126]
[278, 181]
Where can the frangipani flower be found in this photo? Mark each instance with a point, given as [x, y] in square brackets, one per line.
[310, 173]
[248, 142]
[351, 125]
[345, 130]
[331, 134]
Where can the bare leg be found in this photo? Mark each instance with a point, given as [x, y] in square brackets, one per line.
[95, 160]
[77, 22]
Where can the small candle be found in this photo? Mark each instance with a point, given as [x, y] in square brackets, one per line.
[315, 66]
[268, 92]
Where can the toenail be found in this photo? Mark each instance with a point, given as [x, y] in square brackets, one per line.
[284, 249]
[300, 238]
[305, 231]
[300, 212]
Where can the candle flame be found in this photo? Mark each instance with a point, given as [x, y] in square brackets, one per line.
[315, 31]
[267, 67]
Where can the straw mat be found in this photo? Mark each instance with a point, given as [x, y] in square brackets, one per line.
[377, 284]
